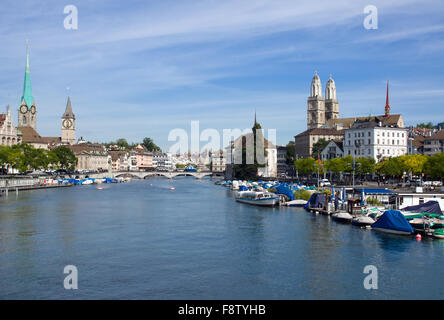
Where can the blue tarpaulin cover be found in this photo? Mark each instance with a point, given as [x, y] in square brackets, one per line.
[393, 220]
[427, 207]
[374, 191]
[317, 200]
[285, 189]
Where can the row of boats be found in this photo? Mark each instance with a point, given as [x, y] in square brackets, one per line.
[426, 218]
[86, 181]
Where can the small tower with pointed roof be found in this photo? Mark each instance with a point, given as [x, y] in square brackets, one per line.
[68, 124]
[27, 113]
[387, 105]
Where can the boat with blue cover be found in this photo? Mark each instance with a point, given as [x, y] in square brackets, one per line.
[393, 221]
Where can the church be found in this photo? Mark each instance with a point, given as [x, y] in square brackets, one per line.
[323, 121]
[27, 121]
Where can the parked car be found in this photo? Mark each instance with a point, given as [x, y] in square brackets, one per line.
[324, 183]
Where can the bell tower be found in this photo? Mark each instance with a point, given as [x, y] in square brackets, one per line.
[27, 113]
[68, 124]
[331, 104]
[315, 105]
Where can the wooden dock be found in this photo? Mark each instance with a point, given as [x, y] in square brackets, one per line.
[6, 190]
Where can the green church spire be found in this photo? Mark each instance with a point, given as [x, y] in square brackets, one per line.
[27, 91]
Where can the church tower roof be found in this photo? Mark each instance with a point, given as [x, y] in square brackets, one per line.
[68, 110]
[387, 105]
[27, 97]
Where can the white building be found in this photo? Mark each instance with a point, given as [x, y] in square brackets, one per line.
[218, 161]
[163, 161]
[334, 149]
[373, 139]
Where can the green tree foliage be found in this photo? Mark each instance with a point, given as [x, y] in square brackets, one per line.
[66, 158]
[434, 167]
[291, 152]
[24, 157]
[150, 145]
[428, 125]
[318, 147]
[305, 165]
[413, 163]
[248, 171]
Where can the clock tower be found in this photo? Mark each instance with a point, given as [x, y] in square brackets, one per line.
[27, 113]
[68, 125]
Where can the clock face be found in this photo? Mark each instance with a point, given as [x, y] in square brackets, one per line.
[67, 123]
[23, 109]
[33, 109]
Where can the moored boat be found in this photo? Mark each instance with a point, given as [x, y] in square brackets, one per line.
[257, 198]
[438, 233]
[362, 221]
[296, 203]
[342, 216]
[393, 221]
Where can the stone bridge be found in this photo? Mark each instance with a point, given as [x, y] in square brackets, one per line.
[169, 175]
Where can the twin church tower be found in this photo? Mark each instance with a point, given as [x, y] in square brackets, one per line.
[320, 110]
[27, 113]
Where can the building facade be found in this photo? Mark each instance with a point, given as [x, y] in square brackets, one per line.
[8, 132]
[434, 144]
[91, 157]
[334, 149]
[218, 161]
[304, 141]
[372, 139]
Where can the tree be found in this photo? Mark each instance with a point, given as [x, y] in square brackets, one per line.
[428, 125]
[66, 158]
[149, 144]
[248, 169]
[434, 167]
[291, 152]
[305, 165]
[122, 143]
[413, 163]
[319, 146]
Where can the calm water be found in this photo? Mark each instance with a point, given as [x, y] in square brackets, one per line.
[141, 240]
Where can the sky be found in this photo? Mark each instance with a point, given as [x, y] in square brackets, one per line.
[136, 69]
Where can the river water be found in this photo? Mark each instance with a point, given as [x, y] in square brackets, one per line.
[141, 240]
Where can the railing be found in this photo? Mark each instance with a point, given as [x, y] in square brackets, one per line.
[10, 183]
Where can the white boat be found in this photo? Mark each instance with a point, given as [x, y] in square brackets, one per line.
[362, 221]
[88, 181]
[296, 203]
[342, 216]
[235, 185]
[257, 198]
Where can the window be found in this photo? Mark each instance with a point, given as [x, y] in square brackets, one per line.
[383, 134]
[369, 141]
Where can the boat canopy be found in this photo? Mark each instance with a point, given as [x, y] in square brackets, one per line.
[317, 200]
[393, 220]
[427, 207]
[285, 189]
[374, 191]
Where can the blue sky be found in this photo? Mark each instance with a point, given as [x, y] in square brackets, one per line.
[142, 68]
